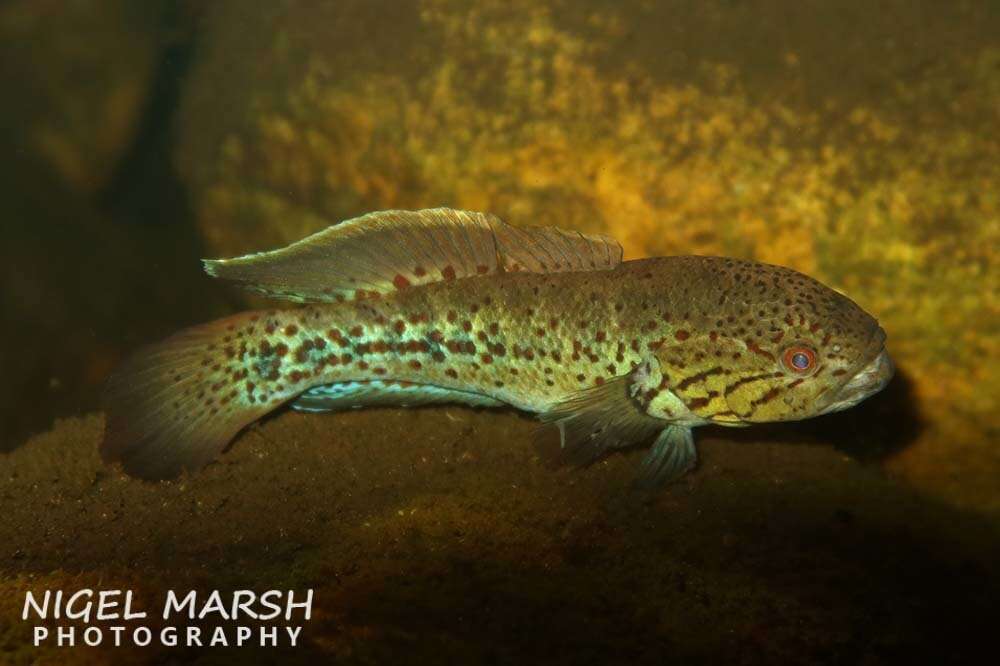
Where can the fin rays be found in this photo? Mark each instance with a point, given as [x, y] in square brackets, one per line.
[389, 250]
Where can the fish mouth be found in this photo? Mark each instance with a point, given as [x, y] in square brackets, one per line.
[868, 381]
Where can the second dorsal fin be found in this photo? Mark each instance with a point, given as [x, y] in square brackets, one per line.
[391, 250]
[554, 250]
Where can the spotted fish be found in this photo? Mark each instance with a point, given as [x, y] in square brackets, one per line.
[448, 306]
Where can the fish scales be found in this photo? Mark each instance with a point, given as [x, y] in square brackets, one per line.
[524, 339]
[607, 351]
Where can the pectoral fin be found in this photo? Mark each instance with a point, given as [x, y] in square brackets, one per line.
[671, 456]
[599, 419]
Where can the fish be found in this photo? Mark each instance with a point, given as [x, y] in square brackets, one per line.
[406, 308]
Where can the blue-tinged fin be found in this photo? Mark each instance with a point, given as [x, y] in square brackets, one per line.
[672, 455]
[380, 393]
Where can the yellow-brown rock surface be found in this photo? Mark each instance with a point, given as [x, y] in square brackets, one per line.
[436, 536]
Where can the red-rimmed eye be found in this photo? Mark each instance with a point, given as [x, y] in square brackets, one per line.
[799, 359]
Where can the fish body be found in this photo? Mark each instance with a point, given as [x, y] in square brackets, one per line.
[447, 306]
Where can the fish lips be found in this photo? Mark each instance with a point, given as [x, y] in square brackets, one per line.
[868, 381]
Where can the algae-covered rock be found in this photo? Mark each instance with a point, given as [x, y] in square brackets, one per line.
[848, 144]
[75, 76]
[437, 535]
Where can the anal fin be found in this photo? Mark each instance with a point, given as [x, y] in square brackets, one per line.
[385, 393]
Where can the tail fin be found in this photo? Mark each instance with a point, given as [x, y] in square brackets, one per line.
[175, 405]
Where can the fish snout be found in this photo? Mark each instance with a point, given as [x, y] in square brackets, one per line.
[868, 381]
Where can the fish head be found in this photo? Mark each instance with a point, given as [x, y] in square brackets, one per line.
[778, 346]
[829, 355]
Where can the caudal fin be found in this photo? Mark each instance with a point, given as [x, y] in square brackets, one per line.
[174, 406]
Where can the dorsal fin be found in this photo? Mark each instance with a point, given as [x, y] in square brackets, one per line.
[554, 250]
[389, 250]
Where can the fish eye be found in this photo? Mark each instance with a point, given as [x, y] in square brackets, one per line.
[799, 359]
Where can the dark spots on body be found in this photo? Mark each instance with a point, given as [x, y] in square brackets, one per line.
[767, 397]
[700, 377]
[698, 403]
[748, 380]
[756, 349]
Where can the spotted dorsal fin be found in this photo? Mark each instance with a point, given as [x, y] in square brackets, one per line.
[382, 252]
[554, 250]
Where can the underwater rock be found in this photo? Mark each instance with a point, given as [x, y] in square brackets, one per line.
[438, 534]
[857, 146]
[80, 288]
[75, 79]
